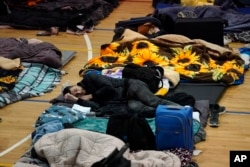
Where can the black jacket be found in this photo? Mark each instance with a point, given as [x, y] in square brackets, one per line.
[105, 89]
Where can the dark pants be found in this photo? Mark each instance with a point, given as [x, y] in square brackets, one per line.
[142, 100]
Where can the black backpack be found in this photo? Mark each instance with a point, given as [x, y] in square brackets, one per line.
[151, 75]
[4, 8]
[132, 129]
[115, 159]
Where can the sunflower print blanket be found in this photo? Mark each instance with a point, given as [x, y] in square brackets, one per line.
[9, 72]
[194, 60]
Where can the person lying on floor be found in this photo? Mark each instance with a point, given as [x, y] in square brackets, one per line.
[105, 90]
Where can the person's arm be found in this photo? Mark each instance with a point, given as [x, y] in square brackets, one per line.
[82, 101]
[106, 93]
[70, 97]
[87, 97]
[99, 86]
[94, 105]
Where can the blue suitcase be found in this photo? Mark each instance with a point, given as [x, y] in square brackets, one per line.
[174, 127]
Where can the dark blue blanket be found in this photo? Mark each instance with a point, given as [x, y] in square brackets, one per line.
[236, 21]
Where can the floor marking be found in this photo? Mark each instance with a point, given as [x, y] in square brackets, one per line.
[36, 100]
[227, 112]
[4, 164]
[15, 145]
[105, 29]
[89, 46]
[90, 55]
[238, 112]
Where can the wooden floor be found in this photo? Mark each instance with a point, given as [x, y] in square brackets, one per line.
[18, 118]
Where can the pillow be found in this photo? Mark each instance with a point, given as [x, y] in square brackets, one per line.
[127, 35]
[175, 38]
[9, 64]
[59, 100]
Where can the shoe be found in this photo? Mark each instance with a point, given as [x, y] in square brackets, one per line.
[75, 32]
[79, 32]
[70, 31]
[214, 119]
[215, 109]
[49, 32]
[54, 30]
[222, 110]
[89, 26]
[43, 33]
[218, 108]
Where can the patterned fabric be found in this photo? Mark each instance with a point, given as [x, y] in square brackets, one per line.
[35, 80]
[184, 155]
[8, 78]
[60, 113]
[93, 124]
[186, 14]
[99, 124]
[243, 36]
[193, 61]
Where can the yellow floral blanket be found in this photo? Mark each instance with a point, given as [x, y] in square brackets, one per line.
[195, 60]
[9, 72]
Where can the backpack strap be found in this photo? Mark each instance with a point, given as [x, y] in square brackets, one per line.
[115, 158]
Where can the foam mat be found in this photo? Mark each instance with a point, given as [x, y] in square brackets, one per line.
[67, 55]
[202, 91]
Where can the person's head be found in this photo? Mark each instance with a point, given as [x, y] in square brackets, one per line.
[74, 90]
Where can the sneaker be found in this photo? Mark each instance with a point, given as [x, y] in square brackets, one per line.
[70, 31]
[222, 110]
[218, 108]
[89, 26]
[214, 119]
[215, 109]
[76, 32]
[79, 32]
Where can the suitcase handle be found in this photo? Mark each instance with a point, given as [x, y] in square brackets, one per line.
[174, 107]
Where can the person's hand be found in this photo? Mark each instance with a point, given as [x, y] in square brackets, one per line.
[70, 97]
[87, 97]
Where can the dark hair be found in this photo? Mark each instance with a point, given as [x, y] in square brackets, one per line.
[66, 90]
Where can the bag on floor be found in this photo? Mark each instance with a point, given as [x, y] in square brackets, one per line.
[174, 127]
[136, 21]
[151, 75]
[140, 25]
[132, 129]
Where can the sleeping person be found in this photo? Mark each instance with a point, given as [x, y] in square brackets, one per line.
[105, 90]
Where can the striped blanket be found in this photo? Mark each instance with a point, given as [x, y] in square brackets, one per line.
[35, 80]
